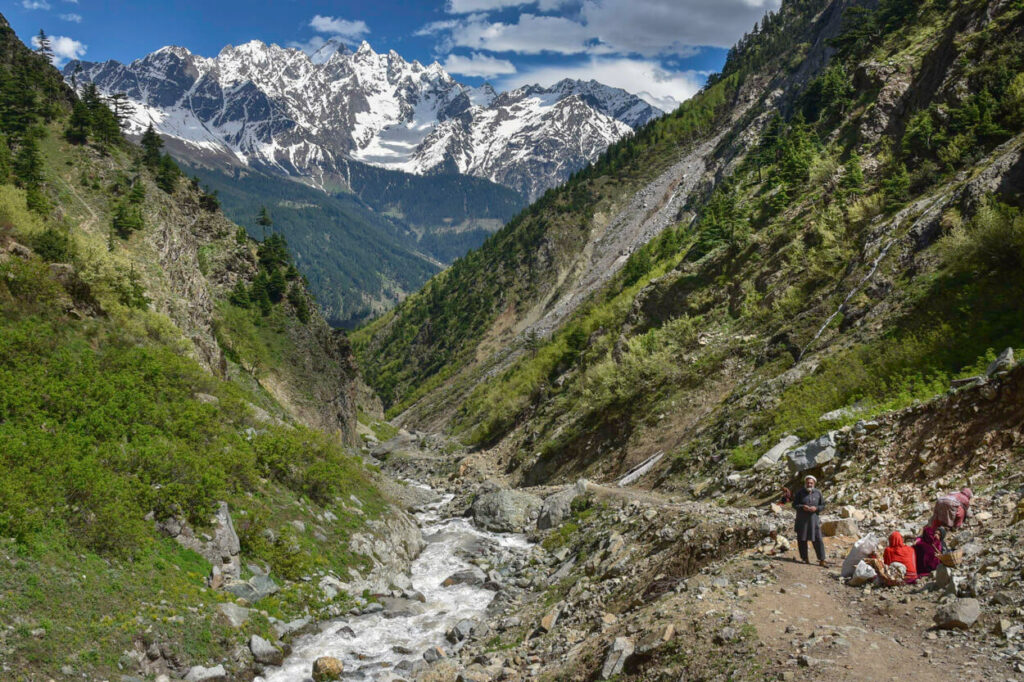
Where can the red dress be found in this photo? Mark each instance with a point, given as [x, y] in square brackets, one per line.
[898, 551]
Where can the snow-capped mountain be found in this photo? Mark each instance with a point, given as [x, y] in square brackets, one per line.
[311, 115]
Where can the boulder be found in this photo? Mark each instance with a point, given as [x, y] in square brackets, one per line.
[470, 576]
[235, 615]
[556, 508]
[327, 669]
[434, 654]
[221, 549]
[656, 638]
[958, 613]
[771, 458]
[254, 589]
[1003, 363]
[461, 630]
[198, 673]
[506, 511]
[620, 650]
[851, 512]
[396, 607]
[547, 623]
[264, 652]
[844, 527]
[811, 454]
[331, 587]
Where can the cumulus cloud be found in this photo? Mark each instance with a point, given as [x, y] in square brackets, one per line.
[343, 28]
[645, 78]
[644, 27]
[72, 17]
[666, 26]
[531, 34]
[478, 65]
[63, 48]
[35, 4]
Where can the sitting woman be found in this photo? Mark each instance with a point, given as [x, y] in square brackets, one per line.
[897, 551]
[928, 548]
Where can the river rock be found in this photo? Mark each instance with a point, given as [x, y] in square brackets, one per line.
[470, 576]
[771, 458]
[198, 673]
[462, 630]
[506, 511]
[396, 607]
[264, 652]
[234, 614]
[327, 669]
[433, 654]
[556, 508]
[620, 650]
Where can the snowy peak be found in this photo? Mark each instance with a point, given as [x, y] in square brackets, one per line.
[309, 114]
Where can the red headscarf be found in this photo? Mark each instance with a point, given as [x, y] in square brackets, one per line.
[898, 551]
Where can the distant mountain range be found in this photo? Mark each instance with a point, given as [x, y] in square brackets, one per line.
[312, 116]
[406, 168]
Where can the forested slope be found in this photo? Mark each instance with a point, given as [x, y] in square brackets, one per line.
[155, 364]
[853, 241]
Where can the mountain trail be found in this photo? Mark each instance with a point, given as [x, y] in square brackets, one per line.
[841, 634]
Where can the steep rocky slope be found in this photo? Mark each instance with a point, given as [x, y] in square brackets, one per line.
[798, 238]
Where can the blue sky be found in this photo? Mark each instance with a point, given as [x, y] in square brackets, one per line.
[662, 49]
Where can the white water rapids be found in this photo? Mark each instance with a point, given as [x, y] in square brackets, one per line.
[370, 654]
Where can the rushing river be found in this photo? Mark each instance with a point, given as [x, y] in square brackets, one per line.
[372, 645]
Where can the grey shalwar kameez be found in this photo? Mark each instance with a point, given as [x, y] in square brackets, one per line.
[808, 525]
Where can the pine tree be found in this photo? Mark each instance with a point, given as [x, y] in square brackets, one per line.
[28, 164]
[298, 301]
[241, 236]
[138, 192]
[239, 296]
[121, 107]
[167, 174]
[264, 218]
[43, 47]
[151, 147]
[259, 293]
[80, 124]
[5, 160]
[276, 286]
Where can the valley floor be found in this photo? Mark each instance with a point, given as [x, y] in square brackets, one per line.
[636, 584]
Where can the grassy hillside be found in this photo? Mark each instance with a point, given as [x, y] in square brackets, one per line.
[154, 362]
[856, 243]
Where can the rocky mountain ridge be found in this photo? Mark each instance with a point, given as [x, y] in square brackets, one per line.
[309, 116]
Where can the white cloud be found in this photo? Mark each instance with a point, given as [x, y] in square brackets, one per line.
[467, 6]
[35, 4]
[651, 27]
[72, 17]
[645, 78]
[345, 28]
[531, 34]
[644, 27]
[478, 65]
[63, 48]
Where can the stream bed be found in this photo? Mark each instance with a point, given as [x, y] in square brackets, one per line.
[385, 645]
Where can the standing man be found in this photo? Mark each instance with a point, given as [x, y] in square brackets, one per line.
[808, 504]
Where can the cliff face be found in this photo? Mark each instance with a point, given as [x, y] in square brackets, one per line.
[801, 238]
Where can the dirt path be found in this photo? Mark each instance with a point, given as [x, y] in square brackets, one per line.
[847, 635]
